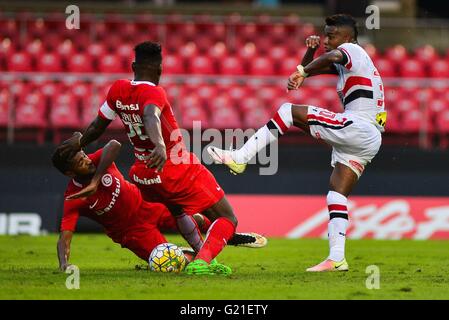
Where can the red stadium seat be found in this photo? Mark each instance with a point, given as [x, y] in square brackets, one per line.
[37, 28]
[412, 121]
[96, 50]
[207, 92]
[19, 61]
[218, 52]
[372, 51]
[406, 105]
[194, 112]
[9, 28]
[188, 51]
[397, 54]
[224, 117]
[249, 103]
[64, 115]
[412, 68]
[49, 62]
[201, 65]
[442, 122]
[173, 64]
[239, 94]
[110, 63]
[269, 93]
[278, 53]
[35, 48]
[426, 54]
[247, 52]
[256, 117]
[231, 65]
[4, 107]
[439, 68]
[394, 125]
[66, 49]
[288, 66]
[80, 62]
[386, 67]
[217, 32]
[261, 66]
[31, 115]
[436, 107]
[279, 33]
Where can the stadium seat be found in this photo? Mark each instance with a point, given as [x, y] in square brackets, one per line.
[37, 28]
[19, 61]
[386, 67]
[278, 53]
[255, 118]
[80, 62]
[426, 54]
[65, 49]
[394, 125]
[261, 66]
[63, 115]
[188, 51]
[249, 103]
[4, 107]
[195, 112]
[35, 48]
[371, 51]
[218, 52]
[49, 62]
[110, 63]
[269, 93]
[30, 115]
[397, 54]
[412, 68]
[442, 125]
[173, 64]
[9, 28]
[412, 121]
[225, 116]
[231, 65]
[200, 65]
[406, 105]
[439, 68]
[207, 92]
[436, 107]
[288, 66]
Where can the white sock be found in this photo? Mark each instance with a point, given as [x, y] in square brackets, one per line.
[279, 124]
[338, 224]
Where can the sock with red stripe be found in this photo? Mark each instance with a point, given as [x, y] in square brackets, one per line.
[338, 224]
[188, 228]
[218, 235]
[279, 124]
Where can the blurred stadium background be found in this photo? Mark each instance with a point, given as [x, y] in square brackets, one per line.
[226, 64]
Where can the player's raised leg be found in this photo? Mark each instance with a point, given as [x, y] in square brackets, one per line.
[342, 181]
[287, 115]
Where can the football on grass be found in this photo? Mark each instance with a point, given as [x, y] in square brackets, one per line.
[167, 257]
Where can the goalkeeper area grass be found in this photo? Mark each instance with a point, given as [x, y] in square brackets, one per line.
[407, 270]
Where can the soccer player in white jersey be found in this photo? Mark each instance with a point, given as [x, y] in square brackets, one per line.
[355, 134]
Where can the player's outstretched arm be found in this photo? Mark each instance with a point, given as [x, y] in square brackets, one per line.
[63, 248]
[324, 63]
[312, 44]
[110, 152]
[78, 140]
[152, 122]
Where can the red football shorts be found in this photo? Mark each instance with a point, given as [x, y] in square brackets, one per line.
[191, 187]
[143, 235]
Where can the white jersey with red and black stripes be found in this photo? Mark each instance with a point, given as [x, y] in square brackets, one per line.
[359, 86]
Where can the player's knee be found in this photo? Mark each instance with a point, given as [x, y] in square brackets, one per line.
[334, 197]
[233, 219]
[285, 112]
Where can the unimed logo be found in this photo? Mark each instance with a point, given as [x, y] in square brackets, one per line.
[20, 223]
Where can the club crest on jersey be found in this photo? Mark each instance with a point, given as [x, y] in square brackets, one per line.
[106, 180]
[131, 107]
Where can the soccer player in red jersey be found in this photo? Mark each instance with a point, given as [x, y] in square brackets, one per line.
[100, 192]
[164, 170]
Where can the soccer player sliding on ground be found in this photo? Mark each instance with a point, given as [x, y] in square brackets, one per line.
[164, 170]
[355, 134]
[99, 191]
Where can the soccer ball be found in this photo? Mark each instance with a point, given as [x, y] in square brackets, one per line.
[167, 257]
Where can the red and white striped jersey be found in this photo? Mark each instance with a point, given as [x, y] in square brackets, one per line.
[360, 86]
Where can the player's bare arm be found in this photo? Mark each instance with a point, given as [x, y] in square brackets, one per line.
[92, 133]
[63, 248]
[152, 122]
[110, 152]
[324, 64]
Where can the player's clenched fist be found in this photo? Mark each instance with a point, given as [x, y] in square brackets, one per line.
[313, 42]
[294, 81]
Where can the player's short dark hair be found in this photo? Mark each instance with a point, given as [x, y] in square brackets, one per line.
[148, 53]
[62, 162]
[343, 20]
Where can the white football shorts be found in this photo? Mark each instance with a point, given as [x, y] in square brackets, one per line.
[354, 141]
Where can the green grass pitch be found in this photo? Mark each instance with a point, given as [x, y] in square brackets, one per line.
[408, 270]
